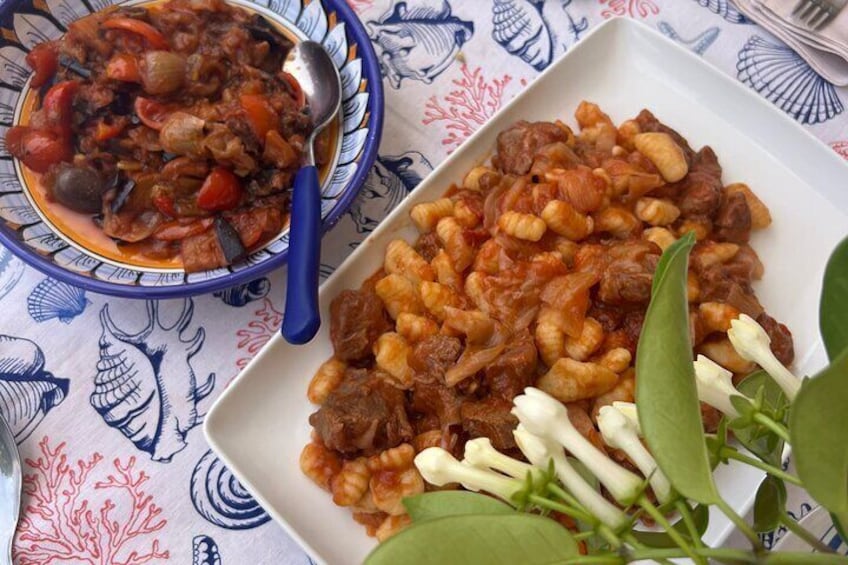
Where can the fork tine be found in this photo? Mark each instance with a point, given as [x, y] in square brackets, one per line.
[814, 15]
[801, 5]
[823, 21]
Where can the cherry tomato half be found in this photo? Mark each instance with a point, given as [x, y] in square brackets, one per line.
[123, 67]
[220, 191]
[152, 35]
[37, 149]
[58, 106]
[151, 113]
[260, 114]
[44, 60]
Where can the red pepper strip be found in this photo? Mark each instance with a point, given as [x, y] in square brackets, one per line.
[44, 60]
[175, 231]
[296, 89]
[260, 114]
[165, 204]
[152, 35]
[105, 132]
[58, 106]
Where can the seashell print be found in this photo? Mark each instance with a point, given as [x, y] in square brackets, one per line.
[53, 299]
[780, 75]
[698, 44]
[145, 385]
[11, 269]
[221, 499]
[725, 9]
[391, 179]
[241, 295]
[27, 391]
[518, 26]
[66, 11]
[204, 551]
[418, 39]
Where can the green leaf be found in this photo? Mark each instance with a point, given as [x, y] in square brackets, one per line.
[669, 411]
[431, 505]
[478, 538]
[701, 517]
[757, 439]
[833, 307]
[769, 504]
[820, 437]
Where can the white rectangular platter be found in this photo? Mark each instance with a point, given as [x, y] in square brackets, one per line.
[259, 424]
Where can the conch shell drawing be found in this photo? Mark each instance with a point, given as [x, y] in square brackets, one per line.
[145, 385]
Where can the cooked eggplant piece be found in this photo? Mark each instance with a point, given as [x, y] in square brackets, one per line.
[122, 196]
[229, 240]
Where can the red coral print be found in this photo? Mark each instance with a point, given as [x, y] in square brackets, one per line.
[632, 8]
[840, 147]
[259, 331]
[469, 106]
[60, 526]
[360, 6]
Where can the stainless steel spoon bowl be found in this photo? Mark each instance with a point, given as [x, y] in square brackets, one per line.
[319, 79]
[10, 491]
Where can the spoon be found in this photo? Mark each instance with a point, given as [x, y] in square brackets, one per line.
[10, 491]
[319, 79]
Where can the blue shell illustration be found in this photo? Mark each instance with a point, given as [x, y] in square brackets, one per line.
[27, 391]
[699, 44]
[243, 294]
[11, 269]
[204, 551]
[779, 74]
[518, 26]
[221, 499]
[389, 181]
[418, 39]
[53, 299]
[726, 10]
[145, 385]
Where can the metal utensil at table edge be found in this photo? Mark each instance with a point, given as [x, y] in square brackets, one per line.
[319, 79]
[10, 491]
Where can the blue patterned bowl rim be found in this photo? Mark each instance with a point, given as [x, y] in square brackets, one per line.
[375, 107]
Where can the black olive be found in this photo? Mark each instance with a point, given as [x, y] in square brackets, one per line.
[74, 66]
[79, 188]
[229, 240]
[122, 196]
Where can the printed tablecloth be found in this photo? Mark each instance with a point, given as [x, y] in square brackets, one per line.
[105, 481]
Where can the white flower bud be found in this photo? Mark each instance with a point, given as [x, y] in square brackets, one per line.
[629, 411]
[438, 467]
[752, 342]
[619, 433]
[547, 417]
[480, 453]
[541, 452]
[715, 386]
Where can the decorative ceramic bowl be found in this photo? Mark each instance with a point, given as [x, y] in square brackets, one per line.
[28, 232]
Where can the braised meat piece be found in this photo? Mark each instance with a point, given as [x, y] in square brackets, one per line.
[433, 356]
[733, 221]
[518, 145]
[515, 369]
[649, 123]
[701, 188]
[438, 399]
[626, 282]
[357, 319]
[490, 418]
[363, 416]
[781, 338]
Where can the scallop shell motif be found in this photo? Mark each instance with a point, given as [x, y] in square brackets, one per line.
[27, 391]
[204, 551]
[145, 385]
[780, 75]
[11, 269]
[518, 26]
[725, 9]
[53, 299]
[243, 294]
[221, 499]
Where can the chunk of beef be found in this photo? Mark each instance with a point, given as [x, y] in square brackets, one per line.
[436, 399]
[720, 284]
[357, 319]
[428, 246]
[701, 188]
[364, 415]
[710, 417]
[733, 220]
[433, 356]
[781, 338]
[608, 316]
[490, 418]
[515, 369]
[518, 145]
[631, 325]
[626, 281]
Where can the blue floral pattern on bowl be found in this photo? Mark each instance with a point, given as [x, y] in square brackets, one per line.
[28, 233]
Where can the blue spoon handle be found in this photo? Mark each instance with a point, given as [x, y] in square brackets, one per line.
[301, 319]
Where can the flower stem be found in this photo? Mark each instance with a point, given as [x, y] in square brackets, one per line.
[731, 453]
[669, 529]
[605, 532]
[580, 536]
[778, 428]
[631, 540]
[803, 533]
[562, 508]
[740, 523]
[560, 492]
[686, 514]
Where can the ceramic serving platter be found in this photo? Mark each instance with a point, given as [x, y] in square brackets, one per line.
[259, 425]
